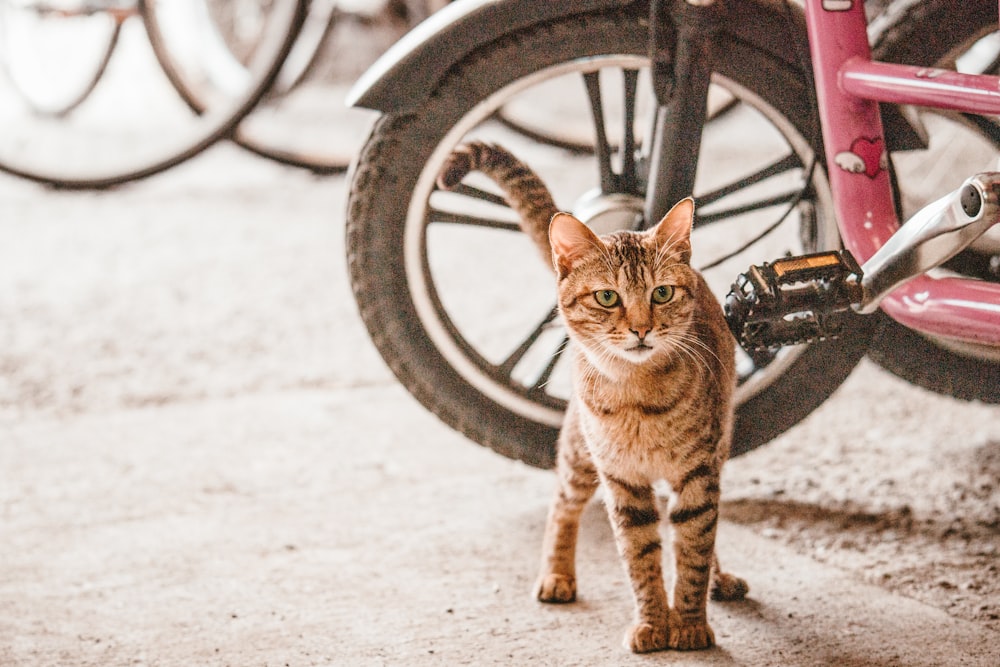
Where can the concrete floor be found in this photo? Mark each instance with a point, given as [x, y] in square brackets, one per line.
[204, 462]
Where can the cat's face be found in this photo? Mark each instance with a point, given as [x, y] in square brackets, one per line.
[629, 296]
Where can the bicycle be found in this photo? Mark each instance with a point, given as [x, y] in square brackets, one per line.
[133, 125]
[265, 132]
[213, 69]
[734, 81]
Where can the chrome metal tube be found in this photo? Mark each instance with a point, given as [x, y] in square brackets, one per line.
[935, 234]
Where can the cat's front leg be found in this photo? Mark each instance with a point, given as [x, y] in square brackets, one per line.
[693, 518]
[557, 579]
[576, 482]
[635, 520]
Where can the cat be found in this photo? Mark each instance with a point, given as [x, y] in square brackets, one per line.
[652, 400]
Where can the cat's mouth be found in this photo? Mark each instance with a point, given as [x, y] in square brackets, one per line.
[638, 351]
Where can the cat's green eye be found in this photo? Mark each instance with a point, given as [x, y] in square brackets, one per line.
[663, 294]
[607, 297]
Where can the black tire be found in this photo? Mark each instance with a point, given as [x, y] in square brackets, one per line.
[933, 32]
[388, 235]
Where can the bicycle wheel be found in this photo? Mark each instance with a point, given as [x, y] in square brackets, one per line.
[524, 121]
[198, 70]
[134, 125]
[31, 32]
[459, 303]
[934, 32]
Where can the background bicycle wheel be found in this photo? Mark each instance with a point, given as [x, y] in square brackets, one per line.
[133, 123]
[303, 120]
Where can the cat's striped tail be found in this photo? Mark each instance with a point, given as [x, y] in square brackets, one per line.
[524, 191]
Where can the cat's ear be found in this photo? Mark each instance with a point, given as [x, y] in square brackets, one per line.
[570, 240]
[675, 228]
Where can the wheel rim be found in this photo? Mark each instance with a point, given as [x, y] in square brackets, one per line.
[521, 366]
[133, 124]
[220, 58]
[31, 35]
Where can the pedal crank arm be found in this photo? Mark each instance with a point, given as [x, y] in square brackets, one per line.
[934, 234]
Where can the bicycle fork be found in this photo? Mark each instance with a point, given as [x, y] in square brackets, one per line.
[681, 35]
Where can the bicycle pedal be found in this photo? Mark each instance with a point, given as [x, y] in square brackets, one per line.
[794, 300]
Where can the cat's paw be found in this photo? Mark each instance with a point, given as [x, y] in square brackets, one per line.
[645, 638]
[556, 588]
[727, 587]
[690, 635]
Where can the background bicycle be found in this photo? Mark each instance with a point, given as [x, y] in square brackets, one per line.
[129, 88]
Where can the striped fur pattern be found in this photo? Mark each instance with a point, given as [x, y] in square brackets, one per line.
[653, 386]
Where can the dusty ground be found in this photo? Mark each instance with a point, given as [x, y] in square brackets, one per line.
[890, 482]
[204, 462]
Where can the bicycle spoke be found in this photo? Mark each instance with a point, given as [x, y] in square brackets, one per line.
[515, 357]
[481, 195]
[722, 110]
[628, 176]
[985, 125]
[767, 202]
[445, 217]
[627, 179]
[786, 163]
[609, 179]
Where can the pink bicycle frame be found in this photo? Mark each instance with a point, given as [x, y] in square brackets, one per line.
[849, 85]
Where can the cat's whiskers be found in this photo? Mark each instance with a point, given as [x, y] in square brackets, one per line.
[590, 379]
[610, 359]
[692, 354]
[694, 339]
[605, 355]
[560, 349]
[691, 347]
[688, 345]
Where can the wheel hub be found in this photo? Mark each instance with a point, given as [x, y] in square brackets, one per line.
[607, 212]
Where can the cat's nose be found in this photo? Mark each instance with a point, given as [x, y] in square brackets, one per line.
[640, 332]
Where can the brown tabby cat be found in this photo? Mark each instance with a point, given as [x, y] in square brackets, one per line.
[652, 400]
